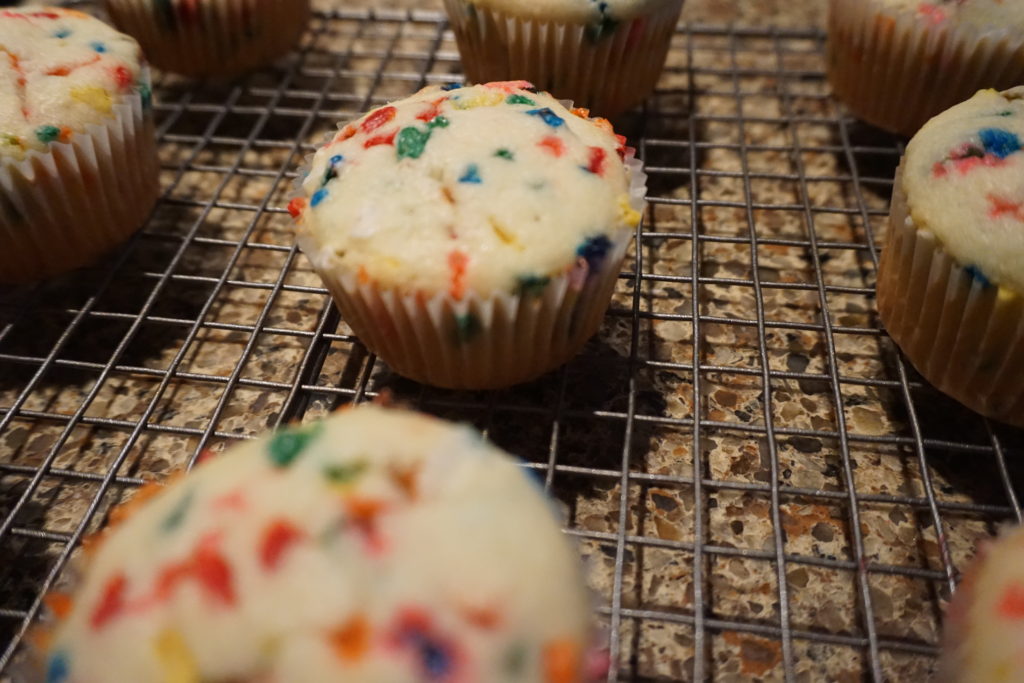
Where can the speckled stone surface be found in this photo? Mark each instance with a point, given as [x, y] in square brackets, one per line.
[740, 140]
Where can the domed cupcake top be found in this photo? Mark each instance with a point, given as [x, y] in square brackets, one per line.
[964, 179]
[602, 13]
[60, 70]
[377, 545]
[982, 14]
[487, 189]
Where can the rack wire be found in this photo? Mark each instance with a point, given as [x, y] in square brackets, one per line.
[762, 487]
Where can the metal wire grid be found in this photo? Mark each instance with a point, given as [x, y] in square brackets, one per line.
[593, 429]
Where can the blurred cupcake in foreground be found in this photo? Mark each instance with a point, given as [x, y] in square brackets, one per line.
[950, 280]
[78, 166]
[472, 237]
[603, 55]
[897, 63]
[212, 38]
[376, 545]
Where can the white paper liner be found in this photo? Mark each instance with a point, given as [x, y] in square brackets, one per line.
[64, 207]
[607, 74]
[895, 70]
[226, 37]
[964, 335]
[519, 337]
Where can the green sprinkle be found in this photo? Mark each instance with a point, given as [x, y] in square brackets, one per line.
[467, 326]
[411, 142]
[515, 660]
[532, 285]
[505, 154]
[177, 515]
[438, 122]
[146, 93]
[341, 474]
[1005, 113]
[520, 99]
[47, 133]
[288, 443]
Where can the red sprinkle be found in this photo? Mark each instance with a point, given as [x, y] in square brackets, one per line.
[296, 206]
[386, 139]
[378, 119]
[112, 602]
[433, 111]
[553, 144]
[1011, 604]
[65, 69]
[277, 538]
[597, 158]
[457, 262]
[206, 566]
[123, 77]
[1000, 206]
[509, 87]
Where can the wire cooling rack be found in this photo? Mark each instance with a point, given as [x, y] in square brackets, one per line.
[762, 487]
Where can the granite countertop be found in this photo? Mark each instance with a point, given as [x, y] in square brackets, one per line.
[236, 371]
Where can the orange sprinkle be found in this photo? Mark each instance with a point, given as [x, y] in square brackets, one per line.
[296, 206]
[65, 133]
[486, 618]
[364, 510]
[405, 478]
[351, 640]
[362, 275]
[561, 661]
[457, 262]
[58, 603]
[553, 144]
[346, 132]
[581, 112]
[604, 124]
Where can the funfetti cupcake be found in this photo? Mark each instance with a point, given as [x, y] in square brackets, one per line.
[377, 545]
[212, 38]
[605, 55]
[951, 275]
[897, 63]
[472, 237]
[78, 166]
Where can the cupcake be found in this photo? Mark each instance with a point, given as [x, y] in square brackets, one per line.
[218, 38]
[603, 55]
[897, 63]
[377, 545]
[983, 633]
[471, 237]
[78, 166]
[950, 279]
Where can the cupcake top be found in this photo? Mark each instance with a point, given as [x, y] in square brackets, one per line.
[376, 545]
[486, 189]
[982, 14]
[61, 71]
[984, 626]
[603, 13]
[963, 174]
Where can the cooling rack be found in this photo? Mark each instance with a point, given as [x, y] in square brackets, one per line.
[763, 489]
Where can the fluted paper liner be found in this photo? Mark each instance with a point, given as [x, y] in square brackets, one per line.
[215, 38]
[64, 207]
[607, 73]
[478, 342]
[896, 70]
[962, 333]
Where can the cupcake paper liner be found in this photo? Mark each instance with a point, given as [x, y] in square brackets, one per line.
[962, 333]
[217, 38]
[478, 342]
[607, 68]
[65, 207]
[895, 70]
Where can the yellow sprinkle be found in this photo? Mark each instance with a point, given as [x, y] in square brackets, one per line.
[94, 96]
[504, 235]
[627, 214]
[178, 663]
[1006, 296]
[487, 98]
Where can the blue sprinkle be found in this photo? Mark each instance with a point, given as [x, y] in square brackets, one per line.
[976, 273]
[451, 86]
[1001, 143]
[98, 46]
[331, 173]
[337, 159]
[62, 33]
[549, 117]
[318, 197]
[58, 671]
[594, 250]
[435, 660]
[472, 175]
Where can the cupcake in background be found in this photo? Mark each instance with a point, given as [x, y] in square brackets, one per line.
[211, 38]
[606, 55]
[472, 237]
[376, 545]
[78, 165]
[950, 282]
[897, 63]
